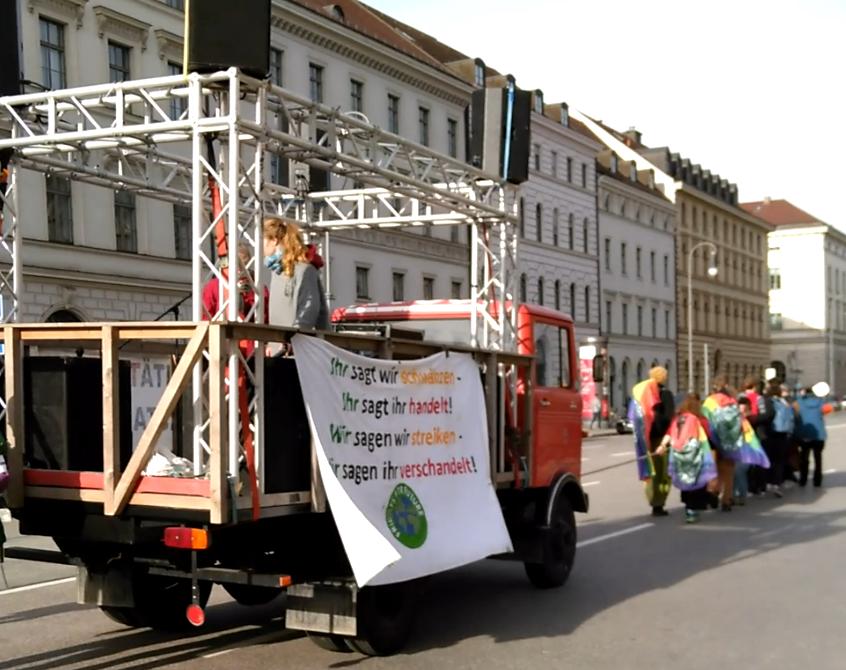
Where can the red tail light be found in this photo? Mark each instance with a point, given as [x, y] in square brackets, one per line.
[180, 537]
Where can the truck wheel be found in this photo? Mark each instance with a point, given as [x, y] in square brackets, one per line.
[126, 616]
[385, 616]
[249, 595]
[558, 548]
[330, 642]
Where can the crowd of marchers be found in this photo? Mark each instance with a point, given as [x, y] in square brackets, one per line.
[727, 447]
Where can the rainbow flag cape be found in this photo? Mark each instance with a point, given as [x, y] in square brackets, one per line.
[751, 452]
[723, 414]
[645, 395]
[691, 463]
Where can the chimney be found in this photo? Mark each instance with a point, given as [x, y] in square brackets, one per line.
[633, 137]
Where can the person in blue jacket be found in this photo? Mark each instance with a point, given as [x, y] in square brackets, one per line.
[812, 435]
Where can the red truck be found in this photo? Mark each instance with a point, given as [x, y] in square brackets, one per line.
[150, 548]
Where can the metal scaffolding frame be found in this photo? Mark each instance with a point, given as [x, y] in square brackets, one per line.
[148, 137]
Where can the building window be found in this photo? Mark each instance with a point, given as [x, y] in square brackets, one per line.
[423, 125]
[667, 332]
[623, 257]
[776, 321]
[654, 331]
[177, 105]
[315, 82]
[126, 229]
[608, 254]
[455, 290]
[625, 319]
[666, 270]
[182, 231]
[558, 294]
[565, 114]
[53, 74]
[638, 254]
[393, 113]
[118, 62]
[536, 151]
[278, 169]
[176, 4]
[586, 236]
[584, 175]
[639, 321]
[276, 67]
[452, 137]
[571, 232]
[479, 74]
[356, 96]
[775, 278]
[540, 290]
[398, 286]
[59, 209]
[538, 102]
[555, 226]
[569, 169]
[607, 316]
[522, 218]
[523, 289]
[555, 164]
[362, 282]
[539, 222]
[652, 265]
[428, 288]
[587, 304]
[573, 300]
[454, 234]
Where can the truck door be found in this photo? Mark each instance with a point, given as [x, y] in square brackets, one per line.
[557, 406]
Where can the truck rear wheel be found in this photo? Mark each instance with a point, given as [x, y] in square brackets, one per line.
[251, 596]
[126, 616]
[330, 642]
[558, 548]
[385, 617]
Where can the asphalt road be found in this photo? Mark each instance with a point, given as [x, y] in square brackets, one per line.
[760, 587]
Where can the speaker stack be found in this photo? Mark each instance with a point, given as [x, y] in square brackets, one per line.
[498, 120]
[10, 49]
[223, 34]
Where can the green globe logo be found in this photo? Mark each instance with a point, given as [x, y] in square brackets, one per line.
[406, 518]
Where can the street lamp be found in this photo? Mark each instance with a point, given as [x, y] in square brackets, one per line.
[712, 272]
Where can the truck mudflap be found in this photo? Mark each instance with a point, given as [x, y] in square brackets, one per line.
[322, 607]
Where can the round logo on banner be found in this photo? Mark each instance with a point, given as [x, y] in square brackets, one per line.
[406, 518]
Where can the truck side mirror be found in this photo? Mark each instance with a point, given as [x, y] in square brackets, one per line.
[598, 368]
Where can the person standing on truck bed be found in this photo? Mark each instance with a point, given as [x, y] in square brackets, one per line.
[652, 411]
[296, 293]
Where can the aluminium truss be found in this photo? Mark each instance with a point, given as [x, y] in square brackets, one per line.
[151, 137]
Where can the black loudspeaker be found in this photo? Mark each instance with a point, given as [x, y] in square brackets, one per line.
[10, 49]
[64, 413]
[224, 33]
[487, 118]
[287, 436]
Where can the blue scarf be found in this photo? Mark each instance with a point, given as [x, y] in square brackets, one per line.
[274, 262]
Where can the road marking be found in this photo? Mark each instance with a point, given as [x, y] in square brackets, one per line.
[586, 484]
[829, 472]
[585, 458]
[40, 585]
[258, 639]
[609, 536]
[219, 653]
[620, 454]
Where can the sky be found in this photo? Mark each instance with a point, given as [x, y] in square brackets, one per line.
[752, 90]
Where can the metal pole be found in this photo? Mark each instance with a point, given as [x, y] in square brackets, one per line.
[707, 370]
[690, 320]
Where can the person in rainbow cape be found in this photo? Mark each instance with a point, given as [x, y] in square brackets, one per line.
[733, 436]
[650, 411]
[692, 461]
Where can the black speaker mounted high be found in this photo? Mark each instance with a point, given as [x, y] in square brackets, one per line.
[223, 34]
[499, 124]
[10, 49]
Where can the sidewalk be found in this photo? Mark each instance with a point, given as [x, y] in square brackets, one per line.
[588, 433]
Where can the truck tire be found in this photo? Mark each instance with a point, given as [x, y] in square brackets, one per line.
[160, 603]
[558, 548]
[251, 596]
[385, 617]
[330, 642]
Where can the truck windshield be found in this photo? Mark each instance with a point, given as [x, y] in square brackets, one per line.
[446, 331]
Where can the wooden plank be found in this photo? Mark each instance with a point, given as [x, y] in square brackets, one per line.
[170, 501]
[110, 358]
[276, 499]
[170, 397]
[13, 369]
[218, 461]
[172, 333]
[55, 335]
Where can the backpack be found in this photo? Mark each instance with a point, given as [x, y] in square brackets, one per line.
[785, 419]
[728, 426]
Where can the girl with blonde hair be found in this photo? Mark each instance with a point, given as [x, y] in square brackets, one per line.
[296, 292]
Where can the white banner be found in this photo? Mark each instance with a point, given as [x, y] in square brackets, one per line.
[403, 453]
[149, 376]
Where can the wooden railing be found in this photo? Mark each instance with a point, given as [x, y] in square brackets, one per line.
[218, 340]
